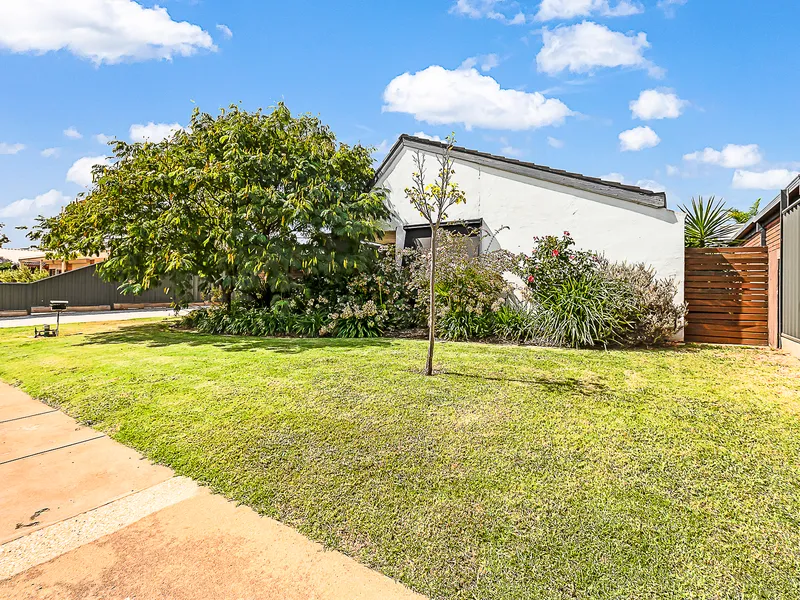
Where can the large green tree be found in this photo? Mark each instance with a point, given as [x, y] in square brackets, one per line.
[251, 202]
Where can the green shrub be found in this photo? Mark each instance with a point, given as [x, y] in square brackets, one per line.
[22, 275]
[578, 298]
[469, 289]
[258, 322]
[588, 310]
[518, 324]
[462, 325]
[655, 316]
[357, 321]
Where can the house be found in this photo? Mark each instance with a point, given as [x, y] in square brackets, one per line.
[777, 228]
[15, 255]
[512, 201]
[57, 266]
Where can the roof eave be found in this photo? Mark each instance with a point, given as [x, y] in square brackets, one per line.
[575, 180]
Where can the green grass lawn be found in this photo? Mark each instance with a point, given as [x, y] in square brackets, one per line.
[515, 473]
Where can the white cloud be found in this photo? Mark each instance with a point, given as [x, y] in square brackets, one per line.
[103, 31]
[382, 148]
[638, 138]
[646, 184]
[569, 9]
[773, 179]
[11, 148]
[50, 152]
[102, 138]
[586, 46]
[512, 151]
[731, 156]
[153, 132]
[225, 30]
[498, 10]
[657, 104]
[555, 143]
[673, 171]
[509, 150]
[425, 136]
[72, 133]
[486, 62]
[81, 170]
[618, 177]
[30, 207]
[439, 96]
[669, 6]
[649, 184]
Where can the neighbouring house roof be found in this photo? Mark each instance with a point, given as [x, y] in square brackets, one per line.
[770, 212]
[16, 254]
[575, 180]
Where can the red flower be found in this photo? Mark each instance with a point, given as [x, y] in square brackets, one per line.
[530, 279]
[556, 252]
[566, 233]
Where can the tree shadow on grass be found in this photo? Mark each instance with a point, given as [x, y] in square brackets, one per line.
[549, 384]
[157, 336]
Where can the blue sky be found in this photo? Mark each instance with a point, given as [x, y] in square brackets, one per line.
[691, 96]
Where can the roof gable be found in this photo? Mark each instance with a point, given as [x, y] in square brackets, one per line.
[574, 180]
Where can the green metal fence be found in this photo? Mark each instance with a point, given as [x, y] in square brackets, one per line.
[81, 287]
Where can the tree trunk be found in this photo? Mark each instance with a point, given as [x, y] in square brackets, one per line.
[432, 305]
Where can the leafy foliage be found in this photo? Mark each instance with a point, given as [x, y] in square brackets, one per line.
[580, 299]
[375, 300]
[468, 289]
[655, 317]
[708, 223]
[253, 203]
[3, 237]
[22, 274]
[552, 261]
[743, 216]
[589, 310]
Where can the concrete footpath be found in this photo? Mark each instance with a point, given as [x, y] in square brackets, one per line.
[82, 516]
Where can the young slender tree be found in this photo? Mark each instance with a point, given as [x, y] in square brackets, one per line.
[433, 201]
[3, 236]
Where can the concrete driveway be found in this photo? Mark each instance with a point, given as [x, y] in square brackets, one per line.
[86, 317]
[82, 516]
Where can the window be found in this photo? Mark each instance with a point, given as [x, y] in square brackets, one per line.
[419, 236]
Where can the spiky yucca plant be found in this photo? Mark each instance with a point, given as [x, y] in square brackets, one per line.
[708, 223]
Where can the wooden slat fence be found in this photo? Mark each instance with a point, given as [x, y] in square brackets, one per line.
[727, 293]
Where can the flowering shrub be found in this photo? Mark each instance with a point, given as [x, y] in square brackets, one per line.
[469, 289]
[554, 260]
[578, 298]
[357, 321]
[366, 303]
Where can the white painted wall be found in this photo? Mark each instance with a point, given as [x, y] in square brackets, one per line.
[619, 229]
